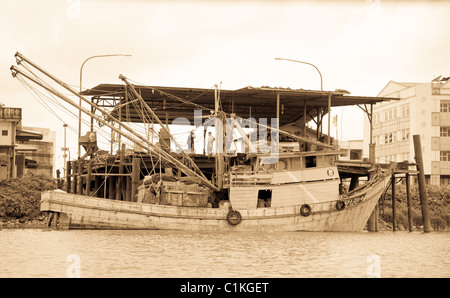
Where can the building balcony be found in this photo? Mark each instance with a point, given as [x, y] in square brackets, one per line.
[440, 119]
[440, 143]
[440, 168]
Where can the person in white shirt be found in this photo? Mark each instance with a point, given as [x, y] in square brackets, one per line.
[210, 143]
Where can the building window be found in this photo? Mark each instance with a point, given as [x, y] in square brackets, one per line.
[445, 155]
[389, 138]
[445, 106]
[445, 131]
[405, 110]
[405, 134]
[405, 156]
[435, 90]
[4, 132]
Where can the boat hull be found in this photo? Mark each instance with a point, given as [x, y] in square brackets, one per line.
[83, 212]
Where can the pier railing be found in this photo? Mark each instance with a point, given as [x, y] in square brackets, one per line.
[242, 178]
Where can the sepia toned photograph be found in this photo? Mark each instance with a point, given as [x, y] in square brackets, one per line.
[224, 147]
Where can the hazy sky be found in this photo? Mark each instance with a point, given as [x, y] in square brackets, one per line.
[357, 45]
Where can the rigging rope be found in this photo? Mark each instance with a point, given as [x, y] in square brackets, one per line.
[293, 136]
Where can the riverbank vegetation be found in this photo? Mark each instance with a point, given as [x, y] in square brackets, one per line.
[20, 198]
[438, 204]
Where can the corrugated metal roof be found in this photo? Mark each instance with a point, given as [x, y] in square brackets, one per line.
[28, 135]
[256, 102]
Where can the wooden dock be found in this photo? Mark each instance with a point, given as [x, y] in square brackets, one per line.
[117, 177]
[352, 168]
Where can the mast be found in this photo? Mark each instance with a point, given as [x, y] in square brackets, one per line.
[163, 127]
[131, 135]
[219, 133]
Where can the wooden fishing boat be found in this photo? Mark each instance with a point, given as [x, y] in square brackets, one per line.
[289, 200]
[277, 190]
[341, 213]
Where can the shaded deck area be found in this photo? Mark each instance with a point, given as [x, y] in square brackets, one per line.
[117, 177]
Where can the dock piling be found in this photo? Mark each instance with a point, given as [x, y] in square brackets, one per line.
[80, 178]
[119, 182]
[111, 187]
[394, 203]
[422, 186]
[73, 188]
[98, 184]
[372, 223]
[68, 175]
[88, 178]
[408, 202]
[136, 170]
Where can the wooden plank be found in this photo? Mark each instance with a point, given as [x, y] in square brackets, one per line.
[301, 193]
[243, 197]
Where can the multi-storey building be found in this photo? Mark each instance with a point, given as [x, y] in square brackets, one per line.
[9, 120]
[23, 152]
[422, 109]
[41, 160]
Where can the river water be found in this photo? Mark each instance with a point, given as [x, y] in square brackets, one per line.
[175, 254]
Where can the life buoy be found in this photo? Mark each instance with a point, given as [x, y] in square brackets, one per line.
[234, 217]
[340, 205]
[305, 210]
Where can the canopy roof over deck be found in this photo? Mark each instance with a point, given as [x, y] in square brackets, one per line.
[170, 103]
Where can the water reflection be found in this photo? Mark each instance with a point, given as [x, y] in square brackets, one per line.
[44, 253]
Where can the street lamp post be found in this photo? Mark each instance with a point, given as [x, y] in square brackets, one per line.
[321, 82]
[81, 78]
[321, 89]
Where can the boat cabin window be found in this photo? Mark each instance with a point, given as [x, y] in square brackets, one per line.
[310, 161]
[264, 198]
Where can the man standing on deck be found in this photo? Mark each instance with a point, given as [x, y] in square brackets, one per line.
[210, 143]
[190, 141]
